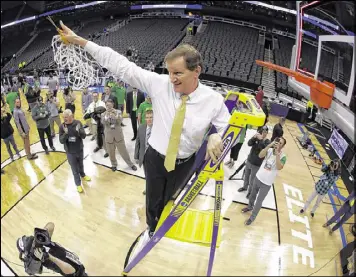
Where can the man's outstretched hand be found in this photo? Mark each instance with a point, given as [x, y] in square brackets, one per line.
[214, 148]
[71, 37]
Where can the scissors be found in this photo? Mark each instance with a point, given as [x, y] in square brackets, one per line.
[60, 31]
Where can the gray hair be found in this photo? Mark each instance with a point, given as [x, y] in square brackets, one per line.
[190, 55]
[67, 112]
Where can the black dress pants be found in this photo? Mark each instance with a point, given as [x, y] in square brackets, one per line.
[133, 116]
[41, 133]
[235, 150]
[162, 185]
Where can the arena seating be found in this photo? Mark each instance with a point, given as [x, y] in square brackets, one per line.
[230, 51]
[283, 58]
[11, 45]
[153, 38]
[35, 49]
[89, 28]
[309, 57]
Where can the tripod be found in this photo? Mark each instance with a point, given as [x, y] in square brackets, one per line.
[237, 171]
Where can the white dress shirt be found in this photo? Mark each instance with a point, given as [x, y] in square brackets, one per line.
[94, 105]
[204, 106]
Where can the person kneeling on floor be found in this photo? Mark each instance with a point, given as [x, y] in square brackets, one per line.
[71, 134]
[40, 251]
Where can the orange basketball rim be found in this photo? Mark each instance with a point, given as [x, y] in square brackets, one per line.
[321, 93]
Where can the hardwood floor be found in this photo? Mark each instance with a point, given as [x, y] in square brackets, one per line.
[101, 224]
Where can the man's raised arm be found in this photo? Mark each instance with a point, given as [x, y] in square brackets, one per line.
[116, 63]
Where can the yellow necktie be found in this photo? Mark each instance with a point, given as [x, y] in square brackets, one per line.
[172, 150]
[352, 202]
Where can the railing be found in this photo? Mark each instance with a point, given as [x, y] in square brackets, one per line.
[306, 40]
[19, 52]
[235, 22]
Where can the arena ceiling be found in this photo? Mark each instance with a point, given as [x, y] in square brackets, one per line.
[12, 10]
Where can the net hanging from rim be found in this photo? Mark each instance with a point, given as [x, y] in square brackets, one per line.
[83, 70]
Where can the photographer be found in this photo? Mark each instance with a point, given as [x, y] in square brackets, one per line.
[69, 99]
[332, 172]
[53, 106]
[274, 160]
[114, 137]
[41, 114]
[39, 251]
[253, 162]
[32, 97]
[94, 111]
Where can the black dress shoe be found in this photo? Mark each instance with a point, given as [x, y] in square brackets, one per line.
[46, 151]
[33, 157]
[96, 149]
[134, 138]
[134, 168]
[123, 125]
[241, 189]
[106, 155]
[113, 168]
[53, 149]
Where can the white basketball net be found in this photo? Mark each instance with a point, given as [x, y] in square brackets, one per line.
[83, 70]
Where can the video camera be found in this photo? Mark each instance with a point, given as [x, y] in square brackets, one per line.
[27, 246]
[98, 110]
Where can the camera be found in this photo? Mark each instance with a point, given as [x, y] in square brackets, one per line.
[97, 110]
[27, 246]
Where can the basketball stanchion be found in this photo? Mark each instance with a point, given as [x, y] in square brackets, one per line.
[209, 170]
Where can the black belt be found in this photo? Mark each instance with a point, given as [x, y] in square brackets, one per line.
[178, 161]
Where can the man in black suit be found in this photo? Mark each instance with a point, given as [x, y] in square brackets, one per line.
[144, 133]
[133, 100]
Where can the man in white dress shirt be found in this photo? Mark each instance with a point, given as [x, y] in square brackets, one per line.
[203, 107]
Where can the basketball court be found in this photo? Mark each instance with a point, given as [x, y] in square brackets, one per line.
[101, 224]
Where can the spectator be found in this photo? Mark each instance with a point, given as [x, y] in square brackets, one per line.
[32, 97]
[114, 137]
[143, 134]
[86, 100]
[133, 101]
[52, 83]
[71, 134]
[7, 133]
[258, 142]
[274, 160]
[332, 172]
[41, 114]
[10, 99]
[69, 99]
[108, 95]
[259, 96]
[53, 106]
[23, 128]
[141, 112]
[278, 129]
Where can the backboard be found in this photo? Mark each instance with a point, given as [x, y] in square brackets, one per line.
[325, 46]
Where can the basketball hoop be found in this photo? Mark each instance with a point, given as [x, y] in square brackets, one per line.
[321, 93]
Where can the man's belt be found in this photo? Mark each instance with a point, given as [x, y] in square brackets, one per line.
[178, 161]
